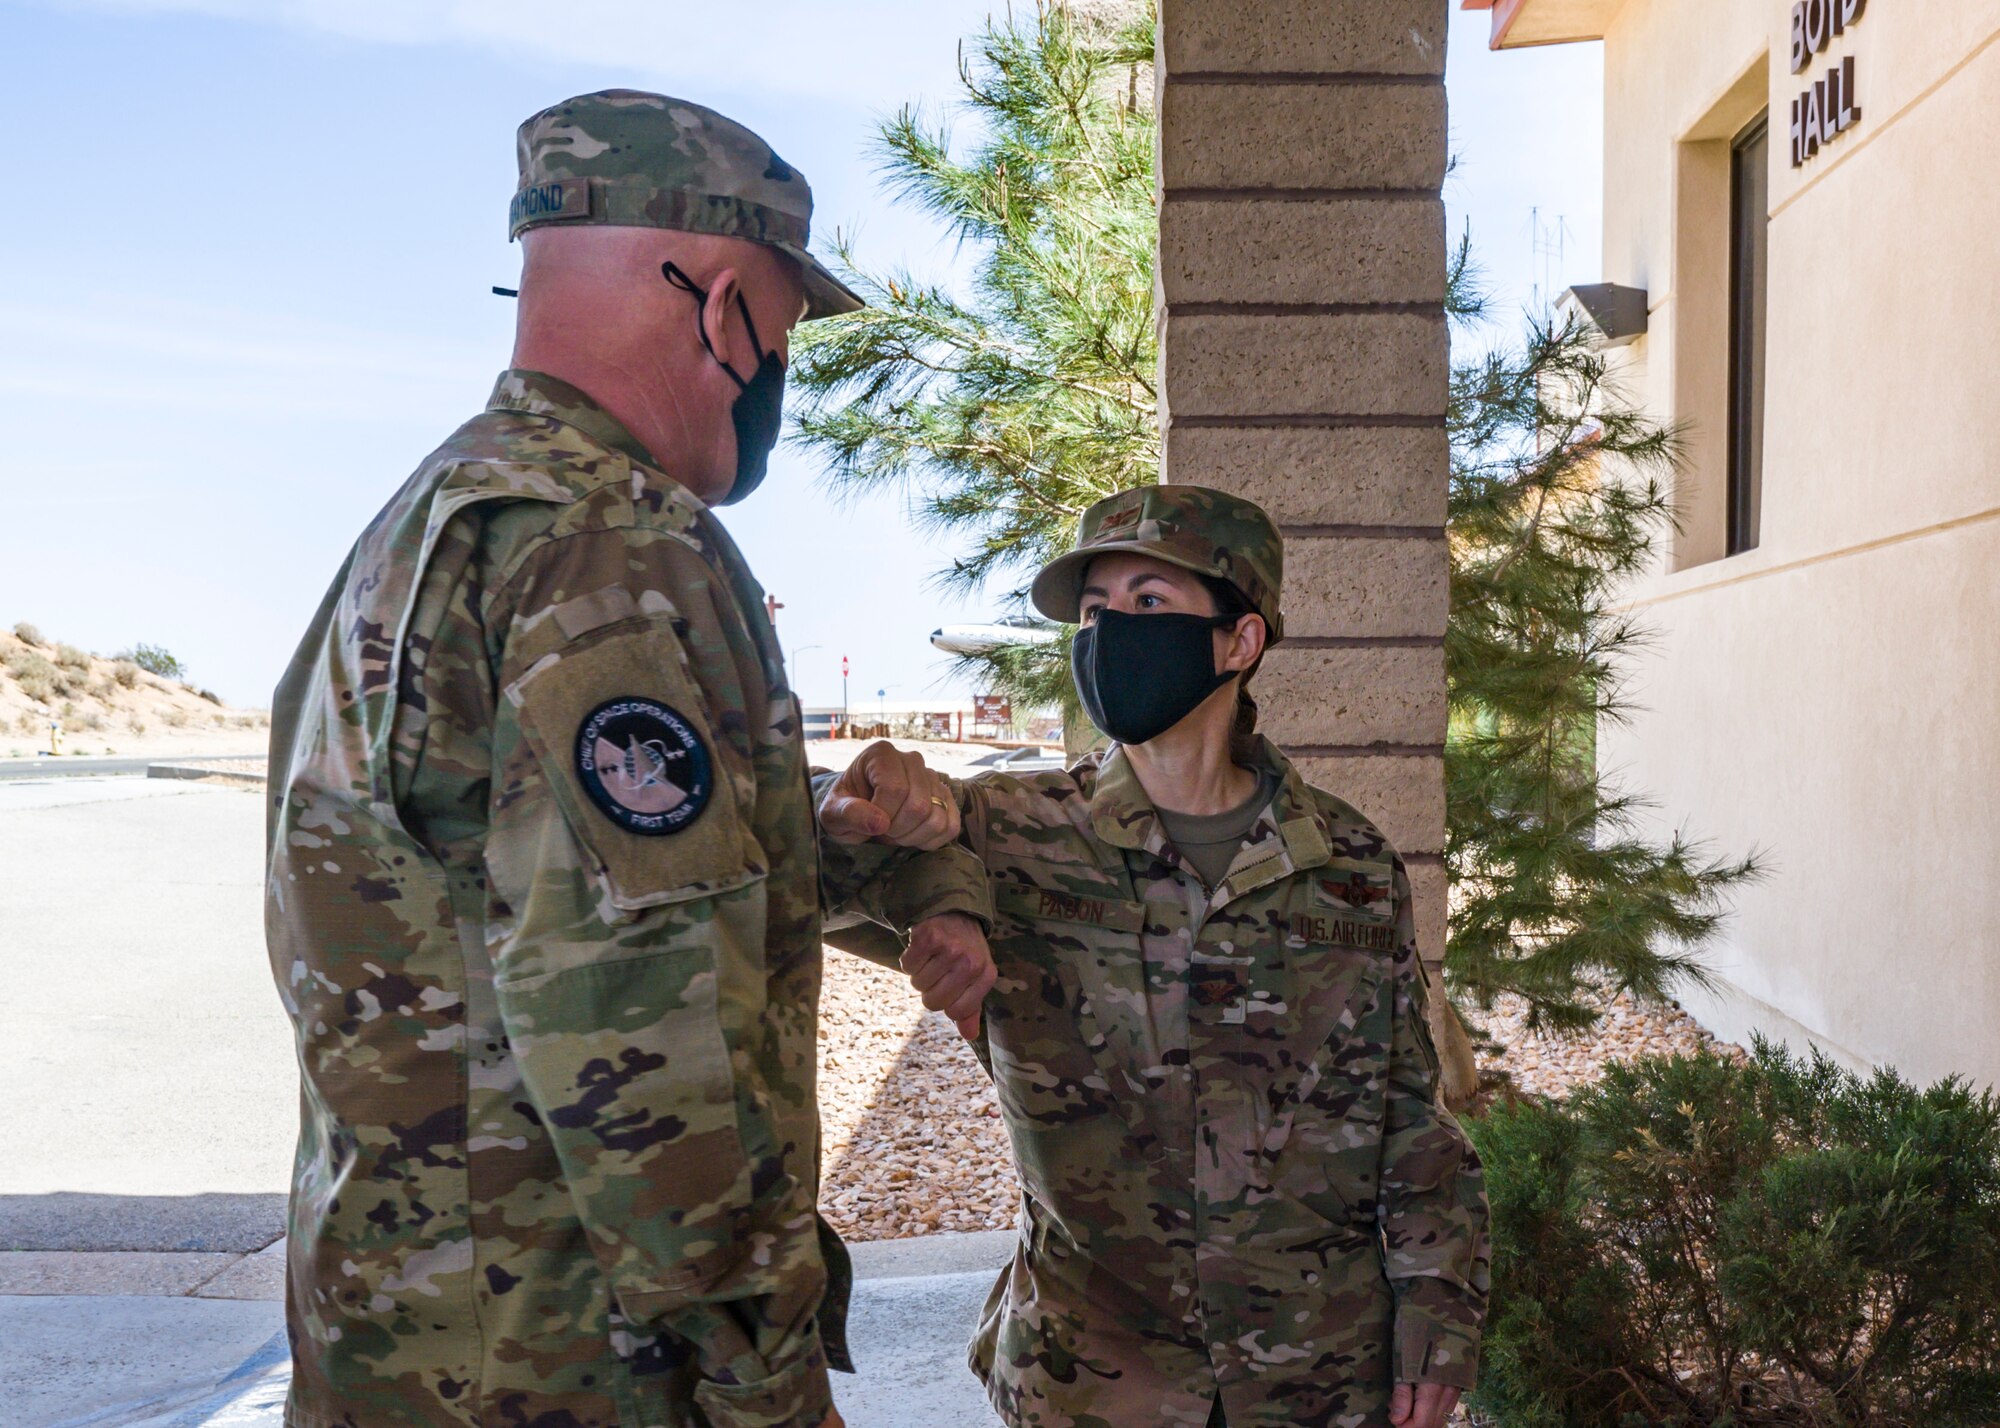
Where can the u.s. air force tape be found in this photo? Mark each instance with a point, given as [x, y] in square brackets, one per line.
[643, 765]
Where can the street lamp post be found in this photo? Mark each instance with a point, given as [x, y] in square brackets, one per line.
[791, 666]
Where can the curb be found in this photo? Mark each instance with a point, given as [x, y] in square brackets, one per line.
[923, 1256]
[192, 769]
[252, 1393]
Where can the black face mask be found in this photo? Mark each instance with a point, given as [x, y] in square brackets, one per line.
[1139, 675]
[759, 408]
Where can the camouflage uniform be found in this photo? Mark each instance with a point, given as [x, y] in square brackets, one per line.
[1237, 1180]
[544, 906]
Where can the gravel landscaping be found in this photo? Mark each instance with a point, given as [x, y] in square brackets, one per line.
[914, 1141]
[1541, 1065]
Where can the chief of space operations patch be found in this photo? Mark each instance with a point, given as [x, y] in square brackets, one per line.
[643, 765]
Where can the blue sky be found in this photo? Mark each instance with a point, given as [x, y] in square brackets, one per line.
[244, 282]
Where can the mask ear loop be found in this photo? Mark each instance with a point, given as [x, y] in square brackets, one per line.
[1230, 622]
[671, 271]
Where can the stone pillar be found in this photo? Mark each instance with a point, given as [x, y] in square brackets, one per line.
[1303, 364]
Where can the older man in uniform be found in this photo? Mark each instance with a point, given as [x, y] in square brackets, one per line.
[543, 896]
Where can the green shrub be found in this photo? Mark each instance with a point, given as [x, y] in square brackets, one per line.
[155, 660]
[1777, 1242]
[27, 633]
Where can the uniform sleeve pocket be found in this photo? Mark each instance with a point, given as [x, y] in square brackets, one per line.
[621, 731]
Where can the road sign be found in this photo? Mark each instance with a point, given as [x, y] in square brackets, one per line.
[992, 709]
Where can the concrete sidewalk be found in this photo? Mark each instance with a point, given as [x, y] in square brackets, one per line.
[146, 1060]
[195, 1339]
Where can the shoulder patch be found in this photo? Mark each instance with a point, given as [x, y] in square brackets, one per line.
[643, 765]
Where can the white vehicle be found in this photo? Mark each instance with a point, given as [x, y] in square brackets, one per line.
[1021, 761]
[984, 639]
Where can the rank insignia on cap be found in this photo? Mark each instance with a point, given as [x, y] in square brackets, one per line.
[643, 765]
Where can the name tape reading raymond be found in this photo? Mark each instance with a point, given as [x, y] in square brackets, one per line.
[567, 199]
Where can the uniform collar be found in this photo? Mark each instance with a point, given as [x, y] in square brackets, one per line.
[539, 394]
[1122, 815]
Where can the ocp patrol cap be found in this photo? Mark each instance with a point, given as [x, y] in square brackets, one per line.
[637, 160]
[1206, 531]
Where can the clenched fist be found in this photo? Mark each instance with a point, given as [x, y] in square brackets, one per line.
[949, 962]
[887, 796]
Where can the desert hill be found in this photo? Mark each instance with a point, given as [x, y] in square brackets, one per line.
[110, 705]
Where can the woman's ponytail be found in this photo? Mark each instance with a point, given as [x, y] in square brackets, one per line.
[1243, 728]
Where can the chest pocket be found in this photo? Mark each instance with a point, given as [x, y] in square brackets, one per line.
[1349, 903]
[1053, 1067]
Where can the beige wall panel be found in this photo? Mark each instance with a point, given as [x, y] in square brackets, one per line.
[1881, 388]
[1832, 696]
[1347, 250]
[1367, 695]
[1667, 63]
[1402, 794]
[1903, 49]
[1365, 587]
[1373, 364]
[1340, 136]
[1666, 67]
[1845, 718]
[1699, 332]
[1304, 36]
[1392, 476]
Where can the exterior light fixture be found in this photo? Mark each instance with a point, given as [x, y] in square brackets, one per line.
[1618, 314]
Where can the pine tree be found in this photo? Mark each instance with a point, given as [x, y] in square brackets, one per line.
[1005, 412]
[1557, 499]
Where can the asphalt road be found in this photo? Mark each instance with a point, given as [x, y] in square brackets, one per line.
[143, 1049]
[43, 769]
[48, 768]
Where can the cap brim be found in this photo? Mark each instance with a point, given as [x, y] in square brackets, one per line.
[1058, 590]
[826, 295]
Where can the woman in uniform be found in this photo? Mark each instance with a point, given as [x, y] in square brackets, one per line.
[1242, 1200]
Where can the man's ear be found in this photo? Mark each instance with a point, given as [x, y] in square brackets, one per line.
[722, 290]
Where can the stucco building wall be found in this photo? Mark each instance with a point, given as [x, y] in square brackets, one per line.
[1833, 696]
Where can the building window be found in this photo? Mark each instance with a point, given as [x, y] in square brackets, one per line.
[1749, 272]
